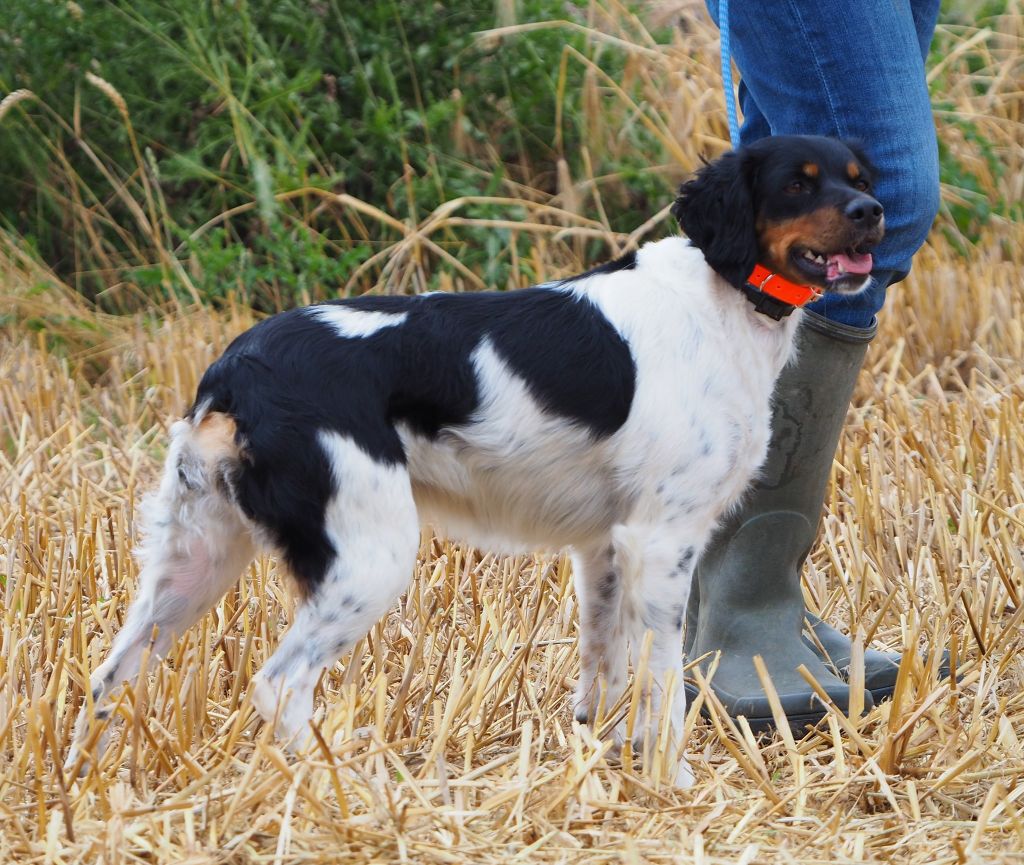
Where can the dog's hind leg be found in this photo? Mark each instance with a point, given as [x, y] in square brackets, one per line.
[371, 523]
[598, 584]
[195, 546]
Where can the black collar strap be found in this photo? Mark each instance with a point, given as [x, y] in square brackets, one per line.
[766, 304]
[775, 296]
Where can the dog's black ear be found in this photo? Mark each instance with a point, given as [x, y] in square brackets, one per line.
[716, 211]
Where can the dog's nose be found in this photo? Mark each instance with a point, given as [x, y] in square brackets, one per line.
[864, 211]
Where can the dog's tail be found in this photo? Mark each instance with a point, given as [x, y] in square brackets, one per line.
[205, 454]
[193, 527]
[197, 485]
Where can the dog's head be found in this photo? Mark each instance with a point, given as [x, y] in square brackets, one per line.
[801, 206]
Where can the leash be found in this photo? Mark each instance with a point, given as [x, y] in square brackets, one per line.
[730, 95]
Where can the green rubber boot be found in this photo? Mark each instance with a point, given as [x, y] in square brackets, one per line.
[880, 668]
[746, 598]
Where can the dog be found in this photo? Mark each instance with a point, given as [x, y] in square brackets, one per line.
[618, 414]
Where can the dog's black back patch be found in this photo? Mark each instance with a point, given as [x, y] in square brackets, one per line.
[293, 376]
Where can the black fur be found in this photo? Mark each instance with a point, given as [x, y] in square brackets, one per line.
[292, 376]
[720, 208]
[778, 159]
[716, 211]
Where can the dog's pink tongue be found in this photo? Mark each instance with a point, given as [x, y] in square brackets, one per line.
[841, 263]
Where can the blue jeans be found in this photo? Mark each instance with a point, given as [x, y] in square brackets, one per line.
[853, 70]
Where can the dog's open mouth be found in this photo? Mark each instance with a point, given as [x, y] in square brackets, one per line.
[828, 268]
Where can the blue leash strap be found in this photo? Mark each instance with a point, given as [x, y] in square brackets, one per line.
[730, 95]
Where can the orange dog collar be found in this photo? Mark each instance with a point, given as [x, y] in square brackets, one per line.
[774, 295]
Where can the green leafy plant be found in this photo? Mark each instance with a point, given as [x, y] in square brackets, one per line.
[154, 120]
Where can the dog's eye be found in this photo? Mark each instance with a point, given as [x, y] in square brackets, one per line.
[861, 184]
[797, 187]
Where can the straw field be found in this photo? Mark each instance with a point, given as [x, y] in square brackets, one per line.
[447, 736]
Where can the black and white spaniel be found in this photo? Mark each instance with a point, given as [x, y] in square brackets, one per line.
[617, 414]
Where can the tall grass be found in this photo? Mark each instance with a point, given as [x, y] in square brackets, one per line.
[225, 173]
[213, 158]
[448, 736]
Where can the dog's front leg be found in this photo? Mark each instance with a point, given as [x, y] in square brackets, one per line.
[657, 561]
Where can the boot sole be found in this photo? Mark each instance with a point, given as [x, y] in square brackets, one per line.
[797, 723]
[885, 692]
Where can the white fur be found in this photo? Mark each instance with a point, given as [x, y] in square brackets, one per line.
[351, 323]
[372, 519]
[635, 508]
[515, 478]
[196, 545]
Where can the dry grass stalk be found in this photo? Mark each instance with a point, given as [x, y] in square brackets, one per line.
[12, 99]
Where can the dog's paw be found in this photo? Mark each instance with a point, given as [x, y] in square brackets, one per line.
[264, 698]
[272, 703]
[78, 761]
[582, 710]
[684, 779]
[76, 765]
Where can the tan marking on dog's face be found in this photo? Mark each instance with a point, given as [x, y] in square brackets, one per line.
[811, 169]
[824, 230]
[853, 170]
[215, 438]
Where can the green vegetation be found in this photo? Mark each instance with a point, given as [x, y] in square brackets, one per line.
[249, 109]
[285, 151]
[967, 61]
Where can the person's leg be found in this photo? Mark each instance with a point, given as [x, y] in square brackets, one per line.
[852, 71]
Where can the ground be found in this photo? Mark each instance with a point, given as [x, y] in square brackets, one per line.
[449, 734]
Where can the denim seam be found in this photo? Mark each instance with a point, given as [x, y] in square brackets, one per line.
[809, 51]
